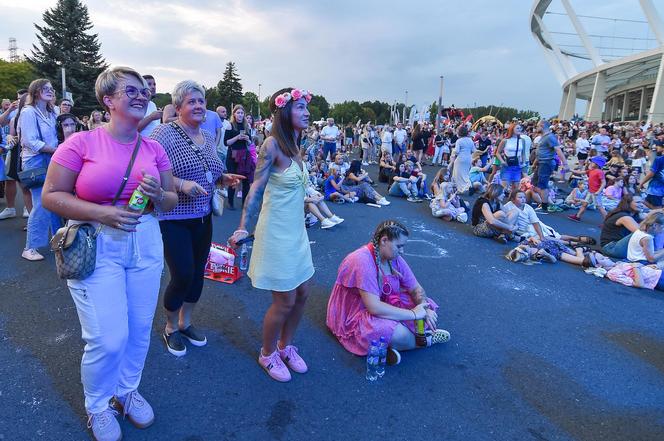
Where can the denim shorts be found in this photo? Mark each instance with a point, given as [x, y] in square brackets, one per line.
[510, 173]
[544, 171]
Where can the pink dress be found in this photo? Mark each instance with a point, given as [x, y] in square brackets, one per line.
[348, 318]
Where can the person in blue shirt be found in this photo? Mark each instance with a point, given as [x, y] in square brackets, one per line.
[655, 176]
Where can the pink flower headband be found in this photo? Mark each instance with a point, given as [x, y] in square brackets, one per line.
[295, 94]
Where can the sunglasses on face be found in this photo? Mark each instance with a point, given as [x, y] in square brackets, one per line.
[132, 92]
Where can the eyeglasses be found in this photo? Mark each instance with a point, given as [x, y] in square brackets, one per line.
[132, 92]
[47, 89]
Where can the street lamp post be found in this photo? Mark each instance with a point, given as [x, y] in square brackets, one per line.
[405, 108]
[259, 101]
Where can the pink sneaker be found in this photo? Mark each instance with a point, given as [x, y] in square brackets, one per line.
[274, 367]
[290, 356]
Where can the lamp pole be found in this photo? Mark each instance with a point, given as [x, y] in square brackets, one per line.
[440, 104]
[259, 101]
[405, 108]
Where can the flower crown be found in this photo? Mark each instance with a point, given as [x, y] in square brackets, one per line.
[295, 94]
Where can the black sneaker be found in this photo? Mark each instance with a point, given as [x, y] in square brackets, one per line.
[194, 336]
[174, 343]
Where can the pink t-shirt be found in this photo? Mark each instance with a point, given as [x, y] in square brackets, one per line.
[101, 163]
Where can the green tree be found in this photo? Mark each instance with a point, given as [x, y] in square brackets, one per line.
[64, 41]
[250, 103]
[162, 99]
[321, 104]
[230, 88]
[348, 112]
[212, 97]
[14, 76]
[368, 114]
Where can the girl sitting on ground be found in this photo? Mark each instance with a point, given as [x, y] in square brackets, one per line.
[447, 205]
[358, 181]
[641, 245]
[441, 177]
[612, 194]
[314, 203]
[387, 168]
[532, 195]
[577, 196]
[489, 220]
[335, 192]
[377, 295]
[478, 180]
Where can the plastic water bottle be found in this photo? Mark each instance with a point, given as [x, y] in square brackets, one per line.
[244, 257]
[372, 361]
[382, 357]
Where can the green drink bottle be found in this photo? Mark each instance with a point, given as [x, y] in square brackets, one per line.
[137, 202]
[420, 336]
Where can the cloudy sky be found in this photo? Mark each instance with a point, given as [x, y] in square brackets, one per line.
[361, 50]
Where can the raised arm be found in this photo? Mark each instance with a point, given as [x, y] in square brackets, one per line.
[266, 159]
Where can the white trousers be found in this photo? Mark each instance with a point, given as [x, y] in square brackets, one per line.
[115, 306]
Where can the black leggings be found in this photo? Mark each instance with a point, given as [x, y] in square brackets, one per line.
[231, 167]
[186, 248]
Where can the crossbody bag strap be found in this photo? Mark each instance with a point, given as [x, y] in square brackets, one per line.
[516, 152]
[41, 138]
[192, 144]
[129, 167]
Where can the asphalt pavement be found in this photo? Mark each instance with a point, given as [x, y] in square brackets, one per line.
[538, 352]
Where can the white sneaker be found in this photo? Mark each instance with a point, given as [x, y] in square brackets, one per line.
[383, 201]
[336, 219]
[136, 409]
[365, 163]
[32, 255]
[26, 213]
[327, 223]
[105, 426]
[8, 213]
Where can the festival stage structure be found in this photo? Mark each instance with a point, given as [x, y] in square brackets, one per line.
[619, 82]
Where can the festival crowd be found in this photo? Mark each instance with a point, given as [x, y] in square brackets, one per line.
[286, 175]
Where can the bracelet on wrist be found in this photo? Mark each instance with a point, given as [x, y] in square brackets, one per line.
[181, 183]
[414, 315]
[241, 231]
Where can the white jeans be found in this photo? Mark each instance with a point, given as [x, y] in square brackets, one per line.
[115, 306]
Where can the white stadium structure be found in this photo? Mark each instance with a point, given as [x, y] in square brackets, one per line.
[618, 82]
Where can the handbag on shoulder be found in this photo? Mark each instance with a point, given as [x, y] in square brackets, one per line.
[75, 246]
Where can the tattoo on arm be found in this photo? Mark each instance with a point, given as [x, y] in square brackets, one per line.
[254, 200]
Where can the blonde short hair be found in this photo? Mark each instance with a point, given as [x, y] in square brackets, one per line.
[107, 81]
[184, 88]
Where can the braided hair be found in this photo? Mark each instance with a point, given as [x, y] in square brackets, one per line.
[393, 230]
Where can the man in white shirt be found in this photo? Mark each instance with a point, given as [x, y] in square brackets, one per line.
[400, 138]
[152, 115]
[582, 148]
[222, 149]
[329, 135]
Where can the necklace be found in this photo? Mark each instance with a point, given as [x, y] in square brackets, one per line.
[46, 119]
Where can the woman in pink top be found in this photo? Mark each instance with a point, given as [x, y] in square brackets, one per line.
[116, 303]
[376, 295]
